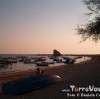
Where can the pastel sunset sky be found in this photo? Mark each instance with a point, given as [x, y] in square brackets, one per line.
[39, 26]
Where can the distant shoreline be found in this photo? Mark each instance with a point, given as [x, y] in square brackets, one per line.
[52, 54]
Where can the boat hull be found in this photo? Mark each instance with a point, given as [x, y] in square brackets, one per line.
[28, 84]
[42, 64]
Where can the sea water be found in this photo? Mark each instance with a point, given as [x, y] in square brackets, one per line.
[20, 66]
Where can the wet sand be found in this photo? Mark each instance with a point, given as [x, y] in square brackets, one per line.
[81, 74]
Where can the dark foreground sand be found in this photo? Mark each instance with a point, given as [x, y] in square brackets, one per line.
[82, 74]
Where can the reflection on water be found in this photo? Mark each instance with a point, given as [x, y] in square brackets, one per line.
[20, 66]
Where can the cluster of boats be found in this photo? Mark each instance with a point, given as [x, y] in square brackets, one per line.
[6, 61]
[38, 60]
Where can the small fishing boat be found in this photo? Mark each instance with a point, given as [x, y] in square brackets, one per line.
[42, 64]
[30, 83]
[28, 62]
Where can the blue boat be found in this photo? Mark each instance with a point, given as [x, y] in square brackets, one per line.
[30, 83]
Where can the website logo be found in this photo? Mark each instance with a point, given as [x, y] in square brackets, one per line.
[89, 91]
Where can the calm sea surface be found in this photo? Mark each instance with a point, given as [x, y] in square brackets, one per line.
[20, 66]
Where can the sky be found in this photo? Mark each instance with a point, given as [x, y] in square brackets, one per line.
[40, 26]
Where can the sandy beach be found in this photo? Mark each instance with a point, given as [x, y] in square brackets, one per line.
[81, 74]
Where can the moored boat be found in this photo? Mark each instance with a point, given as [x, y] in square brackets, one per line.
[30, 83]
[28, 62]
[42, 64]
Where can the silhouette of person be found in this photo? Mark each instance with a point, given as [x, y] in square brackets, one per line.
[67, 60]
[39, 72]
